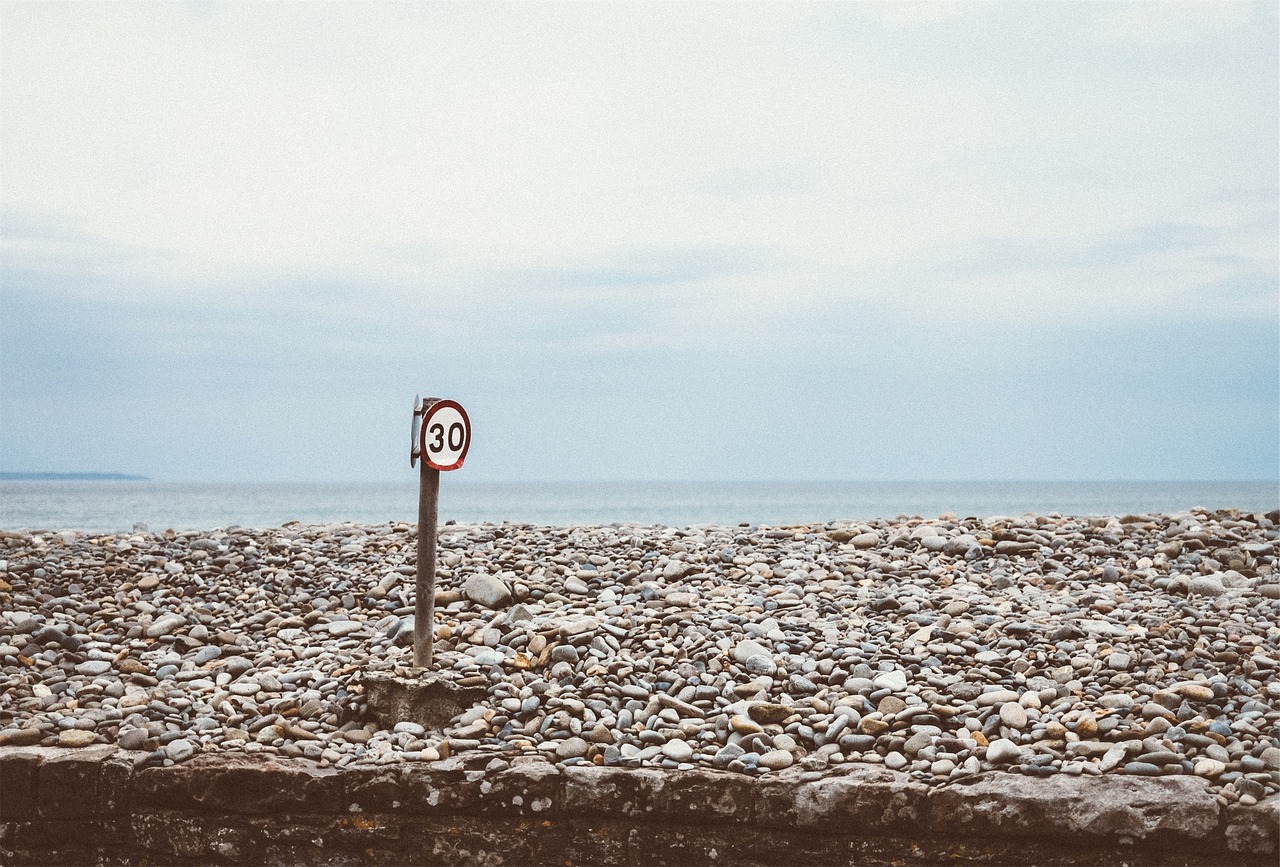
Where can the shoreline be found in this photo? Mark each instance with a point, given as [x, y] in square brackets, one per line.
[943, 649]
[119, 507]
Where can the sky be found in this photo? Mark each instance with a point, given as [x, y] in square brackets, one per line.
[792, 241]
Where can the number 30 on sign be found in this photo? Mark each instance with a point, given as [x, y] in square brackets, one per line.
[441, 434]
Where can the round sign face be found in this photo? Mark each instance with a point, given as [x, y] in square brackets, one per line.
[446, 435]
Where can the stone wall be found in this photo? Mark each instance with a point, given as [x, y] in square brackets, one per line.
[93, 805]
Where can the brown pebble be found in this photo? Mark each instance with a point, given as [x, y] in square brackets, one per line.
[765, 712]
[891, 704]
[873, 727]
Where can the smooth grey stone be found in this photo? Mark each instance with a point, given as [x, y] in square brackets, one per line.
[180, 749]
[892, 680]
[237, 666]
[916, 743]
[1003, 751]
[572, 748]
[857, 743]
[93, 668]
[165, 625]
[208, 653]
[802, 685]
[1142, 769]
[728, 753]
[487, 590]
[1207, 585]
[895, 761]
[1013, 715]
[133, 739]
[489, 657]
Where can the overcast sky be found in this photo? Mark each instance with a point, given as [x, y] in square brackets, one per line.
[642, 241]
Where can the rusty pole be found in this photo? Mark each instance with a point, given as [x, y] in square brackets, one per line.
[424, 609]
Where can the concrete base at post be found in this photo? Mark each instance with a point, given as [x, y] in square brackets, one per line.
[430, 699]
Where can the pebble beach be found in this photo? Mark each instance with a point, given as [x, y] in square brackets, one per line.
[1143, 645]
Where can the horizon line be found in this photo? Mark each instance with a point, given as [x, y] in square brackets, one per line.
[41, 475]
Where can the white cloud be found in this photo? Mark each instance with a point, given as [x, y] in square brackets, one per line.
[227, 148]
[907, 13]
[1170, 21]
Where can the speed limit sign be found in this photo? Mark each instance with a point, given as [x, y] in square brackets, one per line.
[444, 435]
[440, 437]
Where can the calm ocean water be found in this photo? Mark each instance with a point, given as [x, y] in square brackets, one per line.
[117, 506]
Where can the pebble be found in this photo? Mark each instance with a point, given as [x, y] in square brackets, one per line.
[572, 748]
[133, 739]
[1196, 692]
[748, 648]
[1112, 758]
[75, 738]
[20, 737]
[237, 665]
[1206, 585]
[486, 590]
[916, 743]
[1119, 661]
[892, 680]
[206, 654]
[869, 539]
[1142, 769]
[776, 760]
[165, 625]
[1209, 768]
[996, 697]
[677, 750]
[1095, 645]
[890, 705]
[769, 713]
[728, 753]
[180, 750]
[1013, 715]
[93, 667]
[1003, 751]
[489, 657]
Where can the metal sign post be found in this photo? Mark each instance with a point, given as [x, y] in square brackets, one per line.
[440, 437]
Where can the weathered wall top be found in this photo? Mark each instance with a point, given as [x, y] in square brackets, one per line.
[94, 805]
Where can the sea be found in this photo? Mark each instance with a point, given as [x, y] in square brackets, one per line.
[124, 506]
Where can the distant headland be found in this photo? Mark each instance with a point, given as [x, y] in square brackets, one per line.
[71, 477]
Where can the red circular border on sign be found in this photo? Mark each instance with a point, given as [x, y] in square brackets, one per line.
[422, 434]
